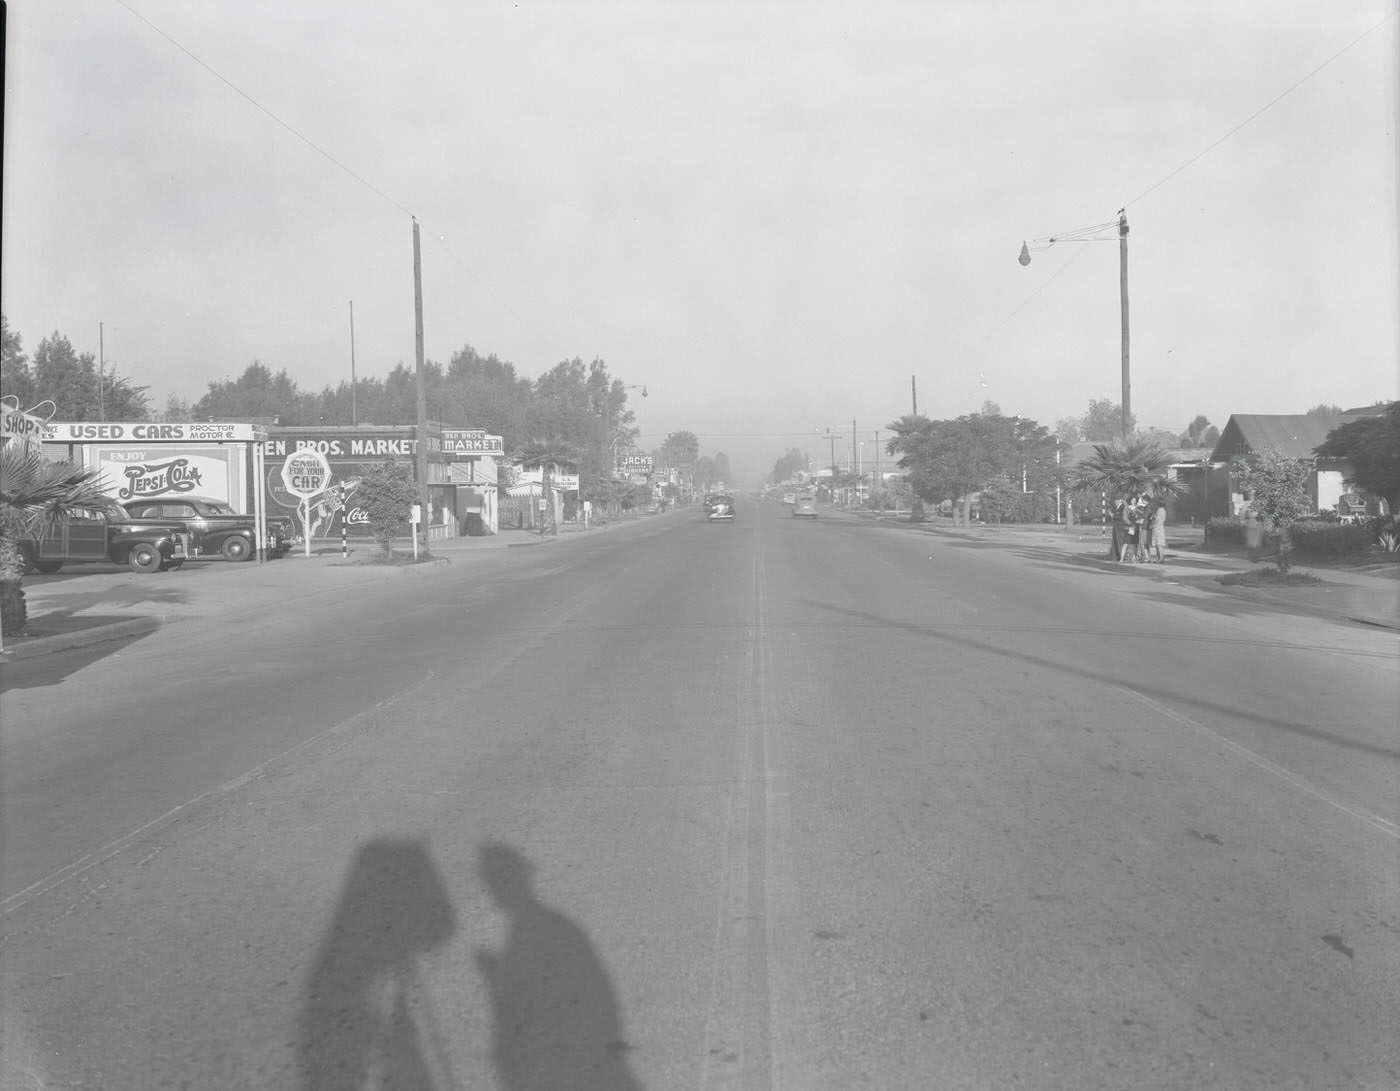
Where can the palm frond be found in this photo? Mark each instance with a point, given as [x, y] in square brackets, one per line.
[35, 491]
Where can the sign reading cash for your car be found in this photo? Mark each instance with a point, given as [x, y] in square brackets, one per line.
[306, 473]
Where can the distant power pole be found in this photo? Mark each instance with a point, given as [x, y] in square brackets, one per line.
[423, 506]
[101, 353]
[914, 390]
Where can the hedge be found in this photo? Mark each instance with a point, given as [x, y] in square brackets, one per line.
[1312, 537]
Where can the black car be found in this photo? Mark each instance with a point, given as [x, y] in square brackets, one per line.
[214, 526]
[719, 508]
[107, 533]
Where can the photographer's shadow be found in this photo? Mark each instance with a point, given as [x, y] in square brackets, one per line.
[367, 1021]
[556, 1018]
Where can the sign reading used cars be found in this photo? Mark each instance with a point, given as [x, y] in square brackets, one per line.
[306, 473]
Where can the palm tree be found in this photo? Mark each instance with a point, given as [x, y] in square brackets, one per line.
[34, 494]
[545, 454]
[1137, 469]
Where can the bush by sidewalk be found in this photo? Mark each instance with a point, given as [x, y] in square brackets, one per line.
[1314, 539]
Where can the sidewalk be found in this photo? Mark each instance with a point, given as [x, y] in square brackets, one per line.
[1365, 593]
[114, 604]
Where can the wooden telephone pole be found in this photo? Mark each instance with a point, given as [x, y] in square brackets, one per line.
[424, 508]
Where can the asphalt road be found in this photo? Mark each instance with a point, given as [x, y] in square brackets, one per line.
[782, 804]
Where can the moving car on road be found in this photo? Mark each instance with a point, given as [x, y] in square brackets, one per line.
[719, 508]
[89, 535]
[215, 527]
[804, 506]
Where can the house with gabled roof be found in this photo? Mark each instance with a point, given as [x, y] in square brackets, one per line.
[1292, 435]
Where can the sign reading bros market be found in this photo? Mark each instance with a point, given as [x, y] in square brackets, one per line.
[471, 441]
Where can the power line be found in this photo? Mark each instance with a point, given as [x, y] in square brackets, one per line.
[1272, 102]
[249, 98]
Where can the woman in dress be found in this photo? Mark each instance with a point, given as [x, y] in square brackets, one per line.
[1159, 532]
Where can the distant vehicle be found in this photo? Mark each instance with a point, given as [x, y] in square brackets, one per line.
[804, 506]
[719, 508]
[215, 527]
[789, 498]
[92, 535]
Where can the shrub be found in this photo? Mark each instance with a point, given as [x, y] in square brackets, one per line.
[1322, 539]
[1231, 532]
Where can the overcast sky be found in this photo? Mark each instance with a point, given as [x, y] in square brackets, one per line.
[772, 215]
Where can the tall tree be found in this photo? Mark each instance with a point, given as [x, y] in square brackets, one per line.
[1103, 422]
[257, 393]
[787, 466]
[71, 381]
[1200, 433]
[16, 378]
[952, 459]
[1277, 490]
[1322, 409]
[1372, 446]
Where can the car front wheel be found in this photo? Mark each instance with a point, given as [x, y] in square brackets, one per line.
[144, 557]
[236, 549]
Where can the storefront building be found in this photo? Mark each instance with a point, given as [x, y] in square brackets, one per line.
[461, 483]
[142, 460]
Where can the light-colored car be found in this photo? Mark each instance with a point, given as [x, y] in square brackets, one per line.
[789, 498]
[804, 505]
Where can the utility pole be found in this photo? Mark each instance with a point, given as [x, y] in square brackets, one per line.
[875, 482]
[914, 391]
[354, 414]
[1123, 304]
[101, 353]
[423, 506]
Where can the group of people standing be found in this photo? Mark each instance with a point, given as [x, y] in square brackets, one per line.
[1140, 530]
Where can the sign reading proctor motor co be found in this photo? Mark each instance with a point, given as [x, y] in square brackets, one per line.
[147, 431]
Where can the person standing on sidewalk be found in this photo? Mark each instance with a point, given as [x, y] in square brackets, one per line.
[1120, 526]
[1159, 531]
[1132, 531]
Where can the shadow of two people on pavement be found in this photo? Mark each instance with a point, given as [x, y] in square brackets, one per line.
[369, 1022]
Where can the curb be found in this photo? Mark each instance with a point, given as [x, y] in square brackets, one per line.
[32, 647]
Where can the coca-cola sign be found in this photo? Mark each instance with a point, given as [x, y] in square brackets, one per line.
[159, 478]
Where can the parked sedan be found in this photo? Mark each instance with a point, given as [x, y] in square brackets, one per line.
[106, 533]
[804, 506]
[214, 526]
